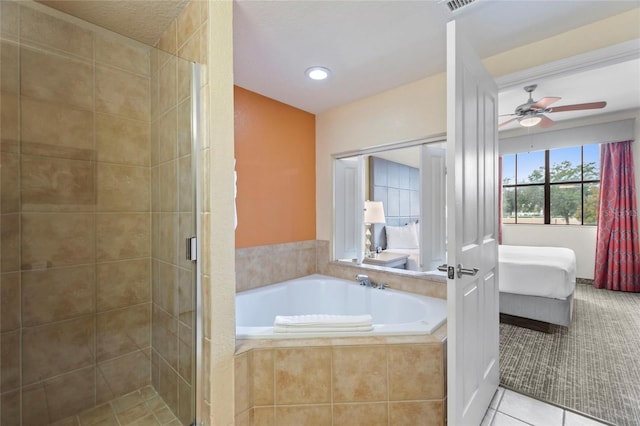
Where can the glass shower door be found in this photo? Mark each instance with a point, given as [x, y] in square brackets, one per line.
[173, 215]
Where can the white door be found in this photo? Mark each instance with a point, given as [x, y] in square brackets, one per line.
[472, 322]
[349, 206]
[433, 235]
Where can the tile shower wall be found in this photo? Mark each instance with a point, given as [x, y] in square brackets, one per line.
[172, 194]
[76, 223]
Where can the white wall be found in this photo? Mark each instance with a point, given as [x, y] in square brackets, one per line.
[417, 110]
[218, 261]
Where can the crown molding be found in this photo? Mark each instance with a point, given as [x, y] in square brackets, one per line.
[610, 55]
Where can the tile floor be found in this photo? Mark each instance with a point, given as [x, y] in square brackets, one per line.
[143, 407]
[509, 408]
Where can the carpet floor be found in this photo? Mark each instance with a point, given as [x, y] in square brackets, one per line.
[592, 367]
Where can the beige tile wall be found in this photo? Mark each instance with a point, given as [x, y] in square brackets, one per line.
[370, 384]
[171, 200]
[398, 280]
[264, 265]
[75, 215]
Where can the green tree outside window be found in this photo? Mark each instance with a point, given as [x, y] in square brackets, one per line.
[572, 189]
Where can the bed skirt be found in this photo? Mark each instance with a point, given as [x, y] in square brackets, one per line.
[554, 311]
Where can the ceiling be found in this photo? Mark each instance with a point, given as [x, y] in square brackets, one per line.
[374, 46]
[144, 21]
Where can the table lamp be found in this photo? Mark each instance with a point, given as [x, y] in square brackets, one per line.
[373, 213]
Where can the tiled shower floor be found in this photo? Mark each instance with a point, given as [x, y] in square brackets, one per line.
[143, 407]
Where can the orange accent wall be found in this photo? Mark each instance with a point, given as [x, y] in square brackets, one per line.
[276, 168]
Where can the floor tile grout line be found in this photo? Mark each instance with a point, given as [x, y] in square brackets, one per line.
[564, 412]
[508, 415]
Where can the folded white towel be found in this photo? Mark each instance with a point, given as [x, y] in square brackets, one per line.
[323, 321]
[319, 329]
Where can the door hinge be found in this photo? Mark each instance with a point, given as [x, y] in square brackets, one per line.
[192, 248]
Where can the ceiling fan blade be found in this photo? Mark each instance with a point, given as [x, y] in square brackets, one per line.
[508, 121]
[578, 107]
[545, 102]
[506, 115]
[546, 122]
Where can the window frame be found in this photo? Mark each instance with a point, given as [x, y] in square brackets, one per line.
[547, 184]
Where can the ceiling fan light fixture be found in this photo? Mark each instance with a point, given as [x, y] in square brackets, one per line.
[529, 120]
[318, 73]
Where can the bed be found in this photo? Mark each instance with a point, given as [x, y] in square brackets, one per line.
[537, 283]
[397, 186]
[400, 240]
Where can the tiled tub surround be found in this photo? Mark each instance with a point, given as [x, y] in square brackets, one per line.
[342, 381]
[265, 265]
[336, 381]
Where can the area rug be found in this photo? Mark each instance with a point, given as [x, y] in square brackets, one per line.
[592, 367]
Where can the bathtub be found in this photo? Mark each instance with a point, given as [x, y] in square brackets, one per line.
[393, 312]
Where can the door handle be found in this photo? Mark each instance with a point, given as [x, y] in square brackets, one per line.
[461, 271]
[448, 269]
[465, 271]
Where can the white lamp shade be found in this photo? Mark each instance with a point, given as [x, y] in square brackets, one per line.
[373, 212]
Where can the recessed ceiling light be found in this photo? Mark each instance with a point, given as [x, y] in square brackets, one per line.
[317, 73]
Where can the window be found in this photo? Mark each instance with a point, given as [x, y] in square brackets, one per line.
[558, 186]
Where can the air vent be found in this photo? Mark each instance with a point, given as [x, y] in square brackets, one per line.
[455, 5]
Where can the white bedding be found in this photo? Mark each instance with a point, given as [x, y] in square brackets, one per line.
[537, 271]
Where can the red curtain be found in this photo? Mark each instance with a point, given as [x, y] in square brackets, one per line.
[617, 253]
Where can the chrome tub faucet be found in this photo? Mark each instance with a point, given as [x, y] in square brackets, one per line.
[364, 280]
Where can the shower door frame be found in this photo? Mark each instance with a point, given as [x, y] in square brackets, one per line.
[197, 227]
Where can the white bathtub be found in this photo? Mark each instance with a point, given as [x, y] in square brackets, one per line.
[393, 312]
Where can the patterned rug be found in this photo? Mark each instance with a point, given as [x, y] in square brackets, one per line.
[592, 367]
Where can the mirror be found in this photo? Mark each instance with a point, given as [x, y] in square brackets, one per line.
[390, 207]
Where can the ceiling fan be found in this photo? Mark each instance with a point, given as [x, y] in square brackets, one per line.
[533, 112]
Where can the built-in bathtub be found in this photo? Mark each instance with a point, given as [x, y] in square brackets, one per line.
[393, 312]
[392, 375]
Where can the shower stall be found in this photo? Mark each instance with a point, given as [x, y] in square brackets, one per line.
[99, 210]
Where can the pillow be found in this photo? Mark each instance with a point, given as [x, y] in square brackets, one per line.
[402, 237]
